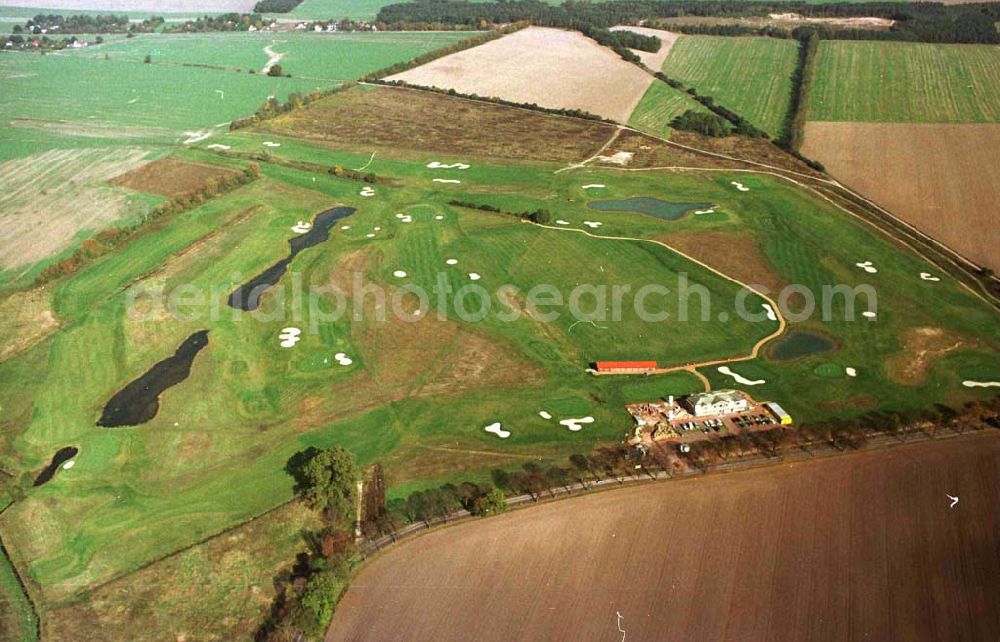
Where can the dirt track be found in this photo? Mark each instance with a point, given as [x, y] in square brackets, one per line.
[550, 67]
[855, 547]
[941, 179]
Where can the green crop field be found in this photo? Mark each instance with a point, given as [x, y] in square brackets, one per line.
[906, 82]
[751, 76]
[659, 106]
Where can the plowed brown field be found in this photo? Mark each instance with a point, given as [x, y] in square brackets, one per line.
[856, 547]
[942, 179]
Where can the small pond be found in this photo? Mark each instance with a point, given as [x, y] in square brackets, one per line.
[139, 401]
[62, 456]
[648, 205]
[799, 343]
[247, 296]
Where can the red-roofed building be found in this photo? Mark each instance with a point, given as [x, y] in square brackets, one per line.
[625, 367]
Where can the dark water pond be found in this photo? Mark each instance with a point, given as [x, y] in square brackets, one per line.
[799, 343]
[62, 456]
[247, 296]
[647, 205]
[139, 401]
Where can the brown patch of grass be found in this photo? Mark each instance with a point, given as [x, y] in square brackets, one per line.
[395, 118]
[26, 318]
[921, 348]
[740, 257]
[755, 149]
[171, 177]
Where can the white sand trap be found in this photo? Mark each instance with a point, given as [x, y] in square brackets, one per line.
[367, 191]
[218, 146]
[438, 218]
[770, 312]
[559, 221]
[452, 261]
[867, 267]
[576, 424]
[437, 165]
[345, 227]
[981, 384]
[927, 276]
[474, 276]
[592, 224]
[289, 337]
[301, 227]
[399, 274]
[343, 359]
[133, 101]
[447, 180]
[594, 186]
[69, 464]
[740, 186]
[708, 211]
[497, 430]
[868, 314]
[196, 137]
[370, 235]
[377, 228]
[544, 415]
[268, 143]
[740, 378]
[404, 218]
[851, 372]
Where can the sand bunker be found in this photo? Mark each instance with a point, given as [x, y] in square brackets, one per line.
[370, 235]
[367, 191]
[868, 314]
[770, 312]
[438, 218]
[851, 372]
[927, 276]
[594, 186]
[981, 384]
[497, 430]
[196, 137]
[474, 276]
[708, 211]
[289, 337]
[544, 415]
[452, 261]
[592, 224]
[867, 267]
[446, 180]
[740, 186]
[301, 227]
[345, 227]
[399, 274]
[437, 165]
[218, 146]
[343, 359]
[268, 143]
[69, 464]
[576, 424]
[559, 221]
[740, 378]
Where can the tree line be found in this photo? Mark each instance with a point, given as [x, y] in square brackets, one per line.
[541, 215]
[272, 107]
[111, 238]
[920, 21]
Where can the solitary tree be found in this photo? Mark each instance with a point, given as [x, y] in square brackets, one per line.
[275, 70]
[330, 482]
[148, 59]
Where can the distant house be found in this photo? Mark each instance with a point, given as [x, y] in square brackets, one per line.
[720, 402]
[625, 367]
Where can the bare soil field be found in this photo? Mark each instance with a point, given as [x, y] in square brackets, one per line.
[171, 177]
[652, 60]
[939, 178]
[393, 118]
[47, 199]
[549, 67]
[862, 546]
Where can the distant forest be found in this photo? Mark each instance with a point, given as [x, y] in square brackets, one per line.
[915, 21]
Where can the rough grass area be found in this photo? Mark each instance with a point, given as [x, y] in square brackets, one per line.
[393, 118]
[659, 106]
[906, 82]
[221, 589]
[171, 177]
[18, 622]
[751, 76]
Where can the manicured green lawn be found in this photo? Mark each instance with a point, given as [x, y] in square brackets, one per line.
[906, 82]
[751, 76]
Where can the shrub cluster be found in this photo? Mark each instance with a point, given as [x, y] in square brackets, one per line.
[540, 215]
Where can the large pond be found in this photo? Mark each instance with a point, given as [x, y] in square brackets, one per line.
[648, 205]
[247, 296]
[62, 456]
[139, 401]
[799, 343]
